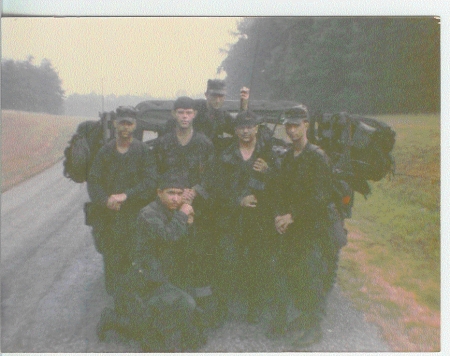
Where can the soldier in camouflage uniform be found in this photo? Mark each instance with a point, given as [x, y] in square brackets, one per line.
[214, 122]
[121, 181]
[191, 153]
[242, 172]
[150, 305]
[307, 223]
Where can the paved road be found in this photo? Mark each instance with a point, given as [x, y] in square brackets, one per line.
[52, 290]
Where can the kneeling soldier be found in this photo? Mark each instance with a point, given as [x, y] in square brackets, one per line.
[150, 307]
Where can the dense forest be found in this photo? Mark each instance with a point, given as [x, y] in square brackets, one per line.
[365, 65]
[30, 87]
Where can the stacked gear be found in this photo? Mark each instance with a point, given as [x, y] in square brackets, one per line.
[82, 148]
[360, 149]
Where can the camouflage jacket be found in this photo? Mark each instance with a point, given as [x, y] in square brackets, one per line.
[133, 173]
[305, 187]
[236, 178]
[193, 159]
[158, 242]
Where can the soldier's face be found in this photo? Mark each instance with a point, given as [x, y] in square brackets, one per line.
[171, 197]
[215, 101]
[246, 133]
[184, 117]
[124, 128]
[296, 131]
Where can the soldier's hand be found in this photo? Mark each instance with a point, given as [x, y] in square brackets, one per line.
[260, 165]
[249, 201]
[245, 94]
[120, 198]
[282, 223]
[189, 196]
[112, 203]
[188, 210]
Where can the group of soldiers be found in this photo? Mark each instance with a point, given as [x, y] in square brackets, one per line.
[198, 220]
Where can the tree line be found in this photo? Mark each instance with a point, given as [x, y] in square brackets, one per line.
[89, 105]
[26, 86]
[29, 87]
[365, 65]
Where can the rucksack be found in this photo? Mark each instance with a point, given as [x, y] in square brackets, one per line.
[359, 148]
[81, 151]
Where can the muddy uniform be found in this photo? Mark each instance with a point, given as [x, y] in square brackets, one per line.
[133, 173]
[307, 255]
[244, 247]
[150, 306]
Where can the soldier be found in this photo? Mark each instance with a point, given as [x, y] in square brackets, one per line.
[305, 219]
[242, 173]
[121, 181]
[191, 153]
[149, 305]
[211, 119]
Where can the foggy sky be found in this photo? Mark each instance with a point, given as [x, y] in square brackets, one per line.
[158, 56]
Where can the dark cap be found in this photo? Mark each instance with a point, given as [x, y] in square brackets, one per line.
[173, 179]
[246, 118]
[126, 113]
[216, 86]
[295, 115]
[184, 102]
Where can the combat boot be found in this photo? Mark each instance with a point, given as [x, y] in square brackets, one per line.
[107, 322]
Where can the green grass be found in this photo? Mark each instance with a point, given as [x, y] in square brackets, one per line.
[401, 217]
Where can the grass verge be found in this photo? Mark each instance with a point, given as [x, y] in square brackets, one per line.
[391, 265]
[32, 142]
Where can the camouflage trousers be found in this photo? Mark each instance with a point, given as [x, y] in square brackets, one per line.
[164, 317]
[304, 277]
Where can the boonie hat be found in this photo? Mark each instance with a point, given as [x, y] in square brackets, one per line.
[295, 115]
[216, 86]
[126, 113]
[246, 118]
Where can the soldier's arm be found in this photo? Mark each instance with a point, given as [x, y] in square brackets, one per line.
[96, 192]
[173, 230]
[244, 96]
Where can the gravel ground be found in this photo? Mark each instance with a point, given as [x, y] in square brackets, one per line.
[53, 292]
